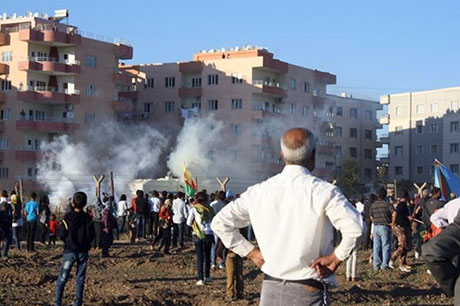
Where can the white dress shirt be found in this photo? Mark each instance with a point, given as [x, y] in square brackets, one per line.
[179, 211]
[155, 204]
[446, 215]
[292, 214]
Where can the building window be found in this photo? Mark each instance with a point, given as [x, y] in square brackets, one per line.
[454, 126]
[305, 111]
[368, 115]
[169, 106]
[434, 149]
[236, 129]
[196, 82]
[212, 104]
[91, 61]
[368, 134]
[196, 104]
[170, 82]
[398, 111]
[435, 128]
[90, 90]
[338, 131]
[368, 154]
[306, 87]
[454, 148]
[292, 84]
[148, 108]
[149, 83]
[368, 173]
[237, 103]
[419, 150]
[353, 133]
[7, 56]
[419, 170]
[434, 107]
[4, 144]
[398, 130]
[419, 125]
[398, 151]
[213, 79]
[89, 117]
[339, 112]
[6, 85]
[454, 168]
[4, 173]
[329, 165]
[454, 105]
[353, 152]
[292, 109]
[235, 154]
[237, 78]
[353, 113]
[338, 151]
[419, 109]
[398, 170]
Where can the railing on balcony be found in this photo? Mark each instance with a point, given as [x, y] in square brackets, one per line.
[267, 83]
[49, 89]
[57, 119]
[261, 108]
[49, 60]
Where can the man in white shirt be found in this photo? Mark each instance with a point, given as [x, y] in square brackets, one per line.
[179, 217]
[446, 215]
[217, 206]
[154, 212]
[293, 214]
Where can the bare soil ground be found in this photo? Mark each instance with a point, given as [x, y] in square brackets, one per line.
[135, 275]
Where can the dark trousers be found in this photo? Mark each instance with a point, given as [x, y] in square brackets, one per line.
[440, 254]
[31, 229]
[121, 225]
[43, 229]
[106, 242]
[52, 239]
[203, 255]
[178, 232]
[5, 228]
[154, 218]
[67, 262]
[166, 238]
[97, 236]
[367, 244]
[141, 226]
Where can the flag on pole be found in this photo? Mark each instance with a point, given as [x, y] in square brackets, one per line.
[446, 181]
[190, 184]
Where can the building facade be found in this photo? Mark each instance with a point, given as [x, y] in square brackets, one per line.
[54, 81]
[422, 126]
[258, 97]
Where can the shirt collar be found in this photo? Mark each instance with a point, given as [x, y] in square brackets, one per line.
[295, 169]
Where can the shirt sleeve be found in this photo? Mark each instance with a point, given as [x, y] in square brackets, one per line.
[440, 217]
[347, 220]
[191, 217]
[229, 220]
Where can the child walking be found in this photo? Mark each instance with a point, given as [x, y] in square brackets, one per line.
[52, 228]
[77, 232]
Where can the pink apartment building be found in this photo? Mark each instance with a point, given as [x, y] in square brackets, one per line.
[55, 80]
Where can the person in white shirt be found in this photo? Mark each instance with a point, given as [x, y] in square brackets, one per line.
[122, 211]
[154, 212]
[217, 205]
[446, 215]
[293, 214]
[179, 217]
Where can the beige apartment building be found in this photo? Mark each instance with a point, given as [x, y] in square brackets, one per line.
[54, 80]
[422, 126]
[258, 97]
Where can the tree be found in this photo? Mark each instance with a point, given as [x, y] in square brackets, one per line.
[348, 180]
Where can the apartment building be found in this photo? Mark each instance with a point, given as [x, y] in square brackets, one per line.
[55, 80]
[422, 126]
[257, 97]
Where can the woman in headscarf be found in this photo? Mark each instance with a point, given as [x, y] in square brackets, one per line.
[199, 219]
[165, 224]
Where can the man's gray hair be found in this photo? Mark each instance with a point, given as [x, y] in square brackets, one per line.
[300, 151]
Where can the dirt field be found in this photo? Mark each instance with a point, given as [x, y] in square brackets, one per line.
[137, 276]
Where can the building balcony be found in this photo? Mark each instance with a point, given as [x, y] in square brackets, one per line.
[48, 125]
[324, 173]
[48, 95]
[1, 156]
[124, 51]
[273, 65]
[325, 77]
[385, 100]
[24, 154]
[2, 127]
[385, 119]
[122, 78]
[50, 37]
[384, 138]
[4, 68]
[123, 106]
[270, 88]
[190, 92]
[263, 112]
[49, 66]
[2, 97]
[132, 95]
[4, 39]
[325, 149]
[384, 159]
[191, 67]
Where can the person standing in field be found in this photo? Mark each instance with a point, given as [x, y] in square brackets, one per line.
[32, 212]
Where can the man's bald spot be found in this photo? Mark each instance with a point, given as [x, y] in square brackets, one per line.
[295, 138]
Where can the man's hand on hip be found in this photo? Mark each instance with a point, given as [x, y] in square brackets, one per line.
[326, 265]
[256, 257]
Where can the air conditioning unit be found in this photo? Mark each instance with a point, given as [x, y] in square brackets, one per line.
[68, 115]
[69, 107]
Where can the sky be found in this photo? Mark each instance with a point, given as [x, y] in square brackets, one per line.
[374, 47]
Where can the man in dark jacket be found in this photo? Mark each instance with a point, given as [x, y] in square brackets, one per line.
[142, 210]
[430, 206]
[77, 232]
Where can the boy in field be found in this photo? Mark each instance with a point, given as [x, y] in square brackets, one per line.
[77, 232]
